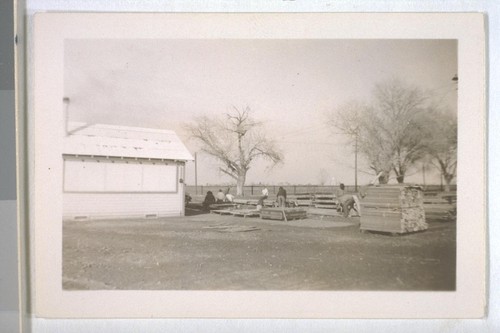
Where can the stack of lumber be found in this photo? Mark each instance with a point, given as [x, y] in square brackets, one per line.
[237, 212]
[328, 201]
[277, 213]
[221, 206]
[253, 202]
[394, 209]
[302, 199]
[440, 206]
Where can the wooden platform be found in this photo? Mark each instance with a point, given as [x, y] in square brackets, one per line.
[246, 212]
[253, 202]
[221, 206]
[277, 213]
[237, 212]
[330, 206]
[222, 211]
[323, 211]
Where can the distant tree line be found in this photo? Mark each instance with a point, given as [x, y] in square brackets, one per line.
[398, 128]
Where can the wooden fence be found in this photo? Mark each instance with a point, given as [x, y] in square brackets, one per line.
[255, 190]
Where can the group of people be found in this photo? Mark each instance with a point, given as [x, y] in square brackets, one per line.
[226, 197]
[347, 201]
[280, 197]
[219, 199]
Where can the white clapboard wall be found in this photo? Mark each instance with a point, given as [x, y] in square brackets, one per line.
[122, 172]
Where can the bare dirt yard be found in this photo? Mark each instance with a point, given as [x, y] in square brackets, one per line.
[210, 251]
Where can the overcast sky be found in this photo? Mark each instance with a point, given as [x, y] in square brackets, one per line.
[289, 84]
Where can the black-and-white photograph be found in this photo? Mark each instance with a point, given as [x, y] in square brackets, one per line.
[259, 164]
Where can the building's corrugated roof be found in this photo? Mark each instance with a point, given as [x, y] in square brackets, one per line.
[122, 141]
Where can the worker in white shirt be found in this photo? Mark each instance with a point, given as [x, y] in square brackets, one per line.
[229, 196]
[265, 194]
[220, 197]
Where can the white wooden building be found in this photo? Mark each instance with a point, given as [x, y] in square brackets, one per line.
[122, 172]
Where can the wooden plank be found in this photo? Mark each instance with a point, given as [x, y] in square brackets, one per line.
[277, 213]
[439, 213]
[382, 213]
[299, 199]
[435, 202]
[279, 209]
[327, 201]
[324, 196]
[367, 204]
[388, 204]
[438, 209]
[381, 200]
[246, 212]
[322, 211]
[253, 202]
[386, 190]
[271, 215]
[221, 211]
[438, 216]
[380, 196]
[326, 206]
[224, 205]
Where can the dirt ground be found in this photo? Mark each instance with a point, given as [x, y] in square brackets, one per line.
[210, 251]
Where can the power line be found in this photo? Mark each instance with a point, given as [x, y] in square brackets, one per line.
[302, 131]
[309, 143]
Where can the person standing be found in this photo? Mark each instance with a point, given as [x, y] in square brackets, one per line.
[281, 197]
[340, 191]
[265, 194]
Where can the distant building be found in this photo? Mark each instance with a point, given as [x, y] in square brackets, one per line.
[122, 172]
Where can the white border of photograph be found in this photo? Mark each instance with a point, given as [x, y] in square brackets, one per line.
[45, 109]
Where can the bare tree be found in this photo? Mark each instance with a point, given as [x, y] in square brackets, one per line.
[358, 122]
[399, 108]
[441, 142]
[389, 131]
[373, 144]
[235, 140]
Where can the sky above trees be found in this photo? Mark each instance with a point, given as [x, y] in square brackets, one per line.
[290, 85]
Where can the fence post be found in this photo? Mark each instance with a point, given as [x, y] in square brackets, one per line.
[251, 190]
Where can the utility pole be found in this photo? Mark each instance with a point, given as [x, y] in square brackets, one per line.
[356, 164]
[66, 115]
[423, 172]
[196, 173]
